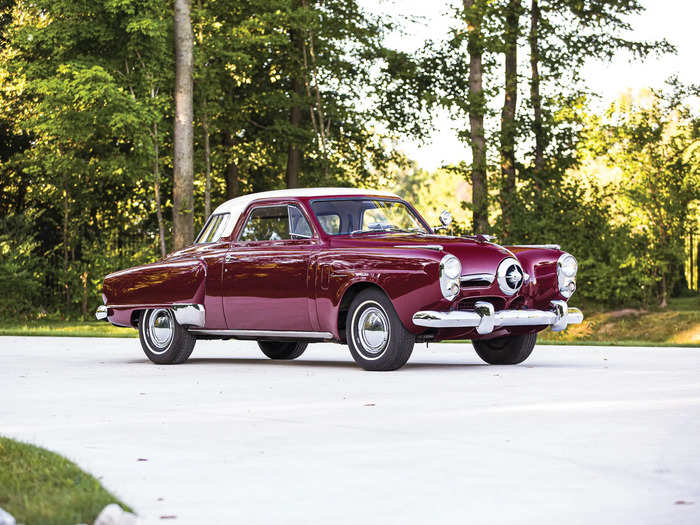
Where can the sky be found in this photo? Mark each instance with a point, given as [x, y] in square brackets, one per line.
[675, 20]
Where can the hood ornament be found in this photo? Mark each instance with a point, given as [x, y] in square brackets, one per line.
[482, 237]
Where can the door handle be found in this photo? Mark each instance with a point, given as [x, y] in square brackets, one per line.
[229, 258]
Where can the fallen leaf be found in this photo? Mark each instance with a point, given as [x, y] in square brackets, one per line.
[141, 459]
[681, 502]
[169, 517]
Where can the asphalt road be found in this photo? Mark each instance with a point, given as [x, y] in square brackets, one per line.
[574, 435]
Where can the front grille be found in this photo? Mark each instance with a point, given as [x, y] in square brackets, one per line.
[499, 303]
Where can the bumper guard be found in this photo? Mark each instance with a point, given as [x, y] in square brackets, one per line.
[486, 320]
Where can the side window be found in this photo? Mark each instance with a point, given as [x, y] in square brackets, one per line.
[275, 223]
[330, 223]
[213, 228]
[298, 225]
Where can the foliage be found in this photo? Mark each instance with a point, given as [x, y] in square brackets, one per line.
[38, 486]
[652, 140]
[304, 92]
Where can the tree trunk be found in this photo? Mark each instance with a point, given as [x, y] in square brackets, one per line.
[66, 248]
[84, 280]
[231, 173]
[183, 179]
[207, 161]
[297, 92]
[477, 109]
[293, 154]
[508, 124]
[663, 299]
[156, 190]
[535, 98]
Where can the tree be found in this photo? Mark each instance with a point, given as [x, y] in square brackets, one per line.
[654, 139]
[474, 13]
[183, 175]
[511, 32]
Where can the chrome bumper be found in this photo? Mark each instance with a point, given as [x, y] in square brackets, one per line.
[185, 314]
[485, 320]
[101, 313]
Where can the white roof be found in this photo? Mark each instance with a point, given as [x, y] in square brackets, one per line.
[238, 205]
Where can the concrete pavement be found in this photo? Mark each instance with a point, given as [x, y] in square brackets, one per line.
[574, 435]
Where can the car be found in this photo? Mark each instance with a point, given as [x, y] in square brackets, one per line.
[358, 267]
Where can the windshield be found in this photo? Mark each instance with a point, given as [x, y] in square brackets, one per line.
[361, 216]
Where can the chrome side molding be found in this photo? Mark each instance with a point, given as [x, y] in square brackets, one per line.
[486, 320]
[436, 247]
[546, 246]
[282, 334]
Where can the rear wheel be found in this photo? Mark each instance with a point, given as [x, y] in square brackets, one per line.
[509, 350]
[163, 340]
[376, 336]
[282, 350]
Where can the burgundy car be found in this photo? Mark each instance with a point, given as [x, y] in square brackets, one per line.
[357, 267]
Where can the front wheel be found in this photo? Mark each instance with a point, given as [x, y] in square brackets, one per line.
[282, 350]
[376, 336]
[163, 339]
[508, 350]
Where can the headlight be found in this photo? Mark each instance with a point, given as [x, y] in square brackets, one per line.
[566, 274]
[510, 276]
[450, 272]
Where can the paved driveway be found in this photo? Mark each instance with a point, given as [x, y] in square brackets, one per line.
[574, 435]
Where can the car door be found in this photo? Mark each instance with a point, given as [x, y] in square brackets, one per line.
[268, 280]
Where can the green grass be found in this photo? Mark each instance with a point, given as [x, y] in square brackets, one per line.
[663, 327]
[39, 487]
[55, 328]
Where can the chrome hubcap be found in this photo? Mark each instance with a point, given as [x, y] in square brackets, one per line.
[160, 328]
[373, 330]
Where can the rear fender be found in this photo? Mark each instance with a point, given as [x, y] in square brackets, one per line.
[161, 284]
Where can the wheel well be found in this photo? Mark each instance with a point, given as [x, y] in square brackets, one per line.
[345, 302]
[135, 316]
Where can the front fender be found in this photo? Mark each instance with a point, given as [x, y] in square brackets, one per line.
[410, 282]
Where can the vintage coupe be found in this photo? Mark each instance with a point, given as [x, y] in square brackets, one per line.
[359, 267]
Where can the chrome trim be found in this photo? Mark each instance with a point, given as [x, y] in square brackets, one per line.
[101, 313]
[186, 314]
[485, 320]
[563, 281]
[546, 246]
[426, 246]
[476, 277]
[265, 333]
[445, 218]
[502, 275]
[446, 282]
[189, 314]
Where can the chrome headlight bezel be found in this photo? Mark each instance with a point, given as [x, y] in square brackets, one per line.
[450, 274]
[504, 274]
[567, 267]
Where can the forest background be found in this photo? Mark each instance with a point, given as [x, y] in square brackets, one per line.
[301, 93]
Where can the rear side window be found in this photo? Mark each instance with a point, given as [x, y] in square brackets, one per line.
[276, 223]
[213, 228]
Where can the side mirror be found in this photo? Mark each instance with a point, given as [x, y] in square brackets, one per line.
[445, 220]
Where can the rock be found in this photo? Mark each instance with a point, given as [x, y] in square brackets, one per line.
[6, 518]
[113, 514]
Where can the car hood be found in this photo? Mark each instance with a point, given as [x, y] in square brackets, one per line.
[476, 256]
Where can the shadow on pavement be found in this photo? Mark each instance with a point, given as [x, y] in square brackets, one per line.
[300, 363]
